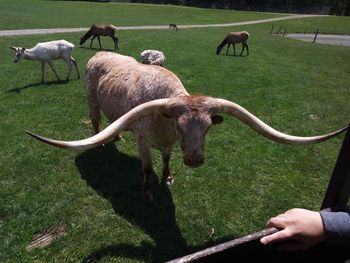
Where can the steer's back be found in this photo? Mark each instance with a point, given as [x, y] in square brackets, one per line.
[119, 83]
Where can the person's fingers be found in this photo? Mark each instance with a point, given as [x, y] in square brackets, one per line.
[277, 222]
[276, 237]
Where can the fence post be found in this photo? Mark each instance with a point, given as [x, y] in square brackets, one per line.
[338, 190]
[278, 31]
[316, 33]
[285, 31]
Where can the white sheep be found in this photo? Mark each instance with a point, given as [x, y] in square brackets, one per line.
[46, 52]
[153, 57]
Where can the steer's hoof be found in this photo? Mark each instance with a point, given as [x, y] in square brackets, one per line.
[169, 180]
[148, 195]
[119, 137]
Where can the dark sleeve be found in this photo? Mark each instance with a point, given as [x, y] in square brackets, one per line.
[337, 227]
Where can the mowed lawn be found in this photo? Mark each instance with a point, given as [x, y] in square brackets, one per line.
[17, 14]
[296, 87]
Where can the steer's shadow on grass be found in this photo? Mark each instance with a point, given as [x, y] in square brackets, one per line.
[118, 178]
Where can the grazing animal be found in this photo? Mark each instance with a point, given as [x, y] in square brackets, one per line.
[153, 57]
[100, 30]
[233, 38]
[173, 26]
[151, 102]
[46, 52]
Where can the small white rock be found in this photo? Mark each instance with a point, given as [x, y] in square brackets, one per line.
[153, 57]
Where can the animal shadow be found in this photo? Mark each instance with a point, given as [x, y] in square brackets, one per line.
[38, 84]
[233, 55]
[238, 56]
[97, 49]
[118, 178]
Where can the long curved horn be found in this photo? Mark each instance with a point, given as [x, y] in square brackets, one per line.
[137, 113]
[262, 128]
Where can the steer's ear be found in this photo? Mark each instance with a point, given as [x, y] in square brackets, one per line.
[216, 119]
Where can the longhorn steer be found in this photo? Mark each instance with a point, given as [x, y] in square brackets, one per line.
[152, 102]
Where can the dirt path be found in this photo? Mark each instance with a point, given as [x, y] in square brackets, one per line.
[19, 32]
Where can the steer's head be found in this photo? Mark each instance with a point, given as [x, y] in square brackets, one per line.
[194, 116]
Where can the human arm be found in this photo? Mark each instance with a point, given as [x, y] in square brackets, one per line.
[337, 226]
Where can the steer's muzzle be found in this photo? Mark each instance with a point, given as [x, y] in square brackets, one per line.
[194, 161]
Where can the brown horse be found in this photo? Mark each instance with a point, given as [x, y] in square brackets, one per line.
[233, 38]
[173, 26]
[100, 30]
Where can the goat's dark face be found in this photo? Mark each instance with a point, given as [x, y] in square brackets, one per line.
[19, 53]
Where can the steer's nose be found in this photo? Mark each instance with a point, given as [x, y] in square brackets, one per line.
[194, 160]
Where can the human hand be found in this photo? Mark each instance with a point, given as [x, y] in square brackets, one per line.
[299, 229]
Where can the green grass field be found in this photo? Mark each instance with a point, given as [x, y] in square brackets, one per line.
[52, 14]
[297, 87]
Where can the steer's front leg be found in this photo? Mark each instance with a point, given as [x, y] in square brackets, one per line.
[147, 167]
[167, 177]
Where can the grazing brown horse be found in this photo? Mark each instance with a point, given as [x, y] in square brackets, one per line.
[173, 26]
[234, 38]
[100, 30]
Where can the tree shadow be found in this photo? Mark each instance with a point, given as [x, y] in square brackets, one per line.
[38, 84]
[117, 177]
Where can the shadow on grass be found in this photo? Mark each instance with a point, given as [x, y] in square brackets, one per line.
[98, 49]
[118, 178]
[233, 55]
[38, 84]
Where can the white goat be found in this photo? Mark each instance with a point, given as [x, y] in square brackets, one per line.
[153, 57]
[46, 52]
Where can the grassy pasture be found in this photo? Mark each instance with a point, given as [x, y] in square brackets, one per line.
[297, 87]
[326, 24]
[52, 14]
